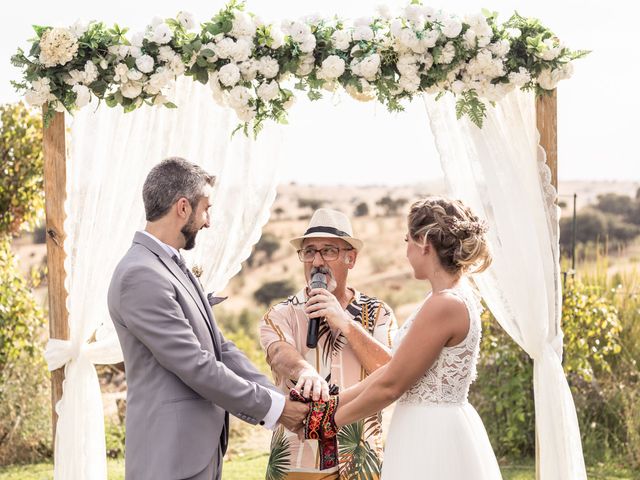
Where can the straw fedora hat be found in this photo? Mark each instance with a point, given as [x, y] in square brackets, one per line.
[327, 223]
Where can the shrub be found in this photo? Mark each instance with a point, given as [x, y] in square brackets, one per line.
[276, 290]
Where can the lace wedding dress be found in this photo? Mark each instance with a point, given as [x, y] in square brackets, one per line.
[435, 433]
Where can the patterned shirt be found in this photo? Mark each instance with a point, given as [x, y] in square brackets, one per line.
[359, 444]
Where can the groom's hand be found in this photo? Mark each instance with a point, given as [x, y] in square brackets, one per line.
[293, 414]
[312, 385]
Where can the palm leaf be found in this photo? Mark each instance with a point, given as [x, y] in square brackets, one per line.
[358, 461]
[279, 457]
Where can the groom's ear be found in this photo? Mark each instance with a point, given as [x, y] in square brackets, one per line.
[183, 207]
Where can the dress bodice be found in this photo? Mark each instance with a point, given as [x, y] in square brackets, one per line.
[447, 381]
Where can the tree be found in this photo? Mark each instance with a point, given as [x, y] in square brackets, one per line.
[614, 203]
[311, 203]
[268, 244]
[391, 205]
[591, 225]
[279, 211]
[362, 210]
[276, 290]
[21, 182]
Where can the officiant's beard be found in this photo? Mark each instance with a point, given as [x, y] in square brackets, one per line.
[189, 232]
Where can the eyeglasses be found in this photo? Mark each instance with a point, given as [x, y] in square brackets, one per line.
[328, 254]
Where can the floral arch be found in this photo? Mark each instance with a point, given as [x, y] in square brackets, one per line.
[478, 78]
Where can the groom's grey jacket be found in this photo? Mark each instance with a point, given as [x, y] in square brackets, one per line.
[183, 376]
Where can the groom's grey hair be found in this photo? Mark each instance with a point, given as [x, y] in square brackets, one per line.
[171, 180]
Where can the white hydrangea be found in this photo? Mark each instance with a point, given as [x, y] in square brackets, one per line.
[407, 65]
[363, 32]
[451, 27]
[90, 72]
[249, 69]
[500, 48]
[161, 34]
[145, 63]
[229, 75]
[332, 67]
[341, 39]
[409, 83]
[83, 95]
[519, 78]
[243, 25]
[368, 67]
[186, 20]
[268, 67]
[131, 89]
[268, 91]
[58, 46]
[239, 97]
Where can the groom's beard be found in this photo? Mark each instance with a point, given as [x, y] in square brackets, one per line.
[189, 232]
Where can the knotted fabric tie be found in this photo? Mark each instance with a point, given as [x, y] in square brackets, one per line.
[181, 263]
[320, 425]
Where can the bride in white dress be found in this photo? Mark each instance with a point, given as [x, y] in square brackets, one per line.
[435, 433]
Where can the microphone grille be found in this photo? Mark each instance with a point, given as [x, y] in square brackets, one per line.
[319, 280]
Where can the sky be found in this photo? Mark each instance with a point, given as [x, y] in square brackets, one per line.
[342, 141]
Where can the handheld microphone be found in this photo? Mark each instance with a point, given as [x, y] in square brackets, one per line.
[318, 280]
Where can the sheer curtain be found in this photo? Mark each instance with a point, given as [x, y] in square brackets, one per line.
[109, 156]
[500, 172]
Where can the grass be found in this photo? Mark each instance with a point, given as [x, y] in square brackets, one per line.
[252, 467]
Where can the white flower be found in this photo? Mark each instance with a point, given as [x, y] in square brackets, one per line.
[430, 38]
[415, 14]
[219, 95]
[298, 31]
[268, 67]
[246, 114]
[242, 25]
[341, 39]
[158, 81]
[249, 69]
[131, 89]
[308, 44]
[368, 67]
[134, 74]
[277, 37]
[396, 27]
[427, 61]
[155, 21]
[229, 75]
[447, 54]
[289, 103]
[548, 79]
[407, 65]
[458, 86]
[513, 32]
[363, 32]
[74, 77]
[500, 48]
[409, 83]
[104, 64]
[161, 34]
[408, 38]
[306, 65]
[58, 46]
[225, 47]
[79, 28]
[186, 20]
[35, 98]
[145, 63]
[177, 66]
[550, 51]
[160, 100]
[452, 27]
[239, 97]
[268, 91]
[83, 95]
[242, 50]
[520, 77]
[470, 38]
[384, 12]
[137, 39]
[363, 21]
[120, 73]
[40, 93]
[332, 67]
[166, 54]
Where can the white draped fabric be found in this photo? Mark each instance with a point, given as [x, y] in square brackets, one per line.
[500, 172]
[109, 156]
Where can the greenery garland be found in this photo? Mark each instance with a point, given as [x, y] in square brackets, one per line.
[254, 67]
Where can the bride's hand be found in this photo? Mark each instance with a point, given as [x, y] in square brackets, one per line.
[323, 303]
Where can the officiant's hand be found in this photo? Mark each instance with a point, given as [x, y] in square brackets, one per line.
[312, 385]
[293, 414]
[323, 303]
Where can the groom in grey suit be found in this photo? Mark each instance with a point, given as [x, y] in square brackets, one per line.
[183, 376]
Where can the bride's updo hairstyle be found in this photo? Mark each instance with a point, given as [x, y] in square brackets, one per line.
[457, 235]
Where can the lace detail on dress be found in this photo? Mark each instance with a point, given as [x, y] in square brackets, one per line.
[449, 378]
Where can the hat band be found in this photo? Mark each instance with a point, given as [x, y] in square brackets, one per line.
[333, 231]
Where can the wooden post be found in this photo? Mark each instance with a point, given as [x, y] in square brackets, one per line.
[55, 179]
[547, 123]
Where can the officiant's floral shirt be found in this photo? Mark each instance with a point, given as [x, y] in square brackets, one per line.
[359, 444]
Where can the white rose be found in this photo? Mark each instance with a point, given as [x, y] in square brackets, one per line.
[74, 77]
[219, 95]
[134, 74]
[341, 39]
[83, 95]
[131, 89]
[430, 38]
[243, 25]
[308, 44]
[547, 79]
[415, 14]
[79, 28]
[246, 114]
[332, 67]
[408, 38]
[162, 34]
[289, 103]
[229, 74]
[58, 46]
[34, 98]
[406, 65]
[120, 73]
[470, 38]
[90, 72]
[299, 31]
[458, 86]
[409, 83]
[137, 39]
[225, 47]
[363, 32]
[368, 67]
[551, 51]
[500, 48]
[177, 66]
[306, 65]
[268, 91]
[242, 50]
[158, 81]
[268, 67]
[186, 20]
[452, 27]
[166, 54]
[277, 37]
[384, 12]
[249, 69]
[429, 13]
[145, 63]
[239, 97]
[396, 27]
[155, 21]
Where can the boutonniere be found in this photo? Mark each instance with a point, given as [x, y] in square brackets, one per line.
[197, 271]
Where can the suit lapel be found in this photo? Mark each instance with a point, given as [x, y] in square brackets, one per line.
[189, 285]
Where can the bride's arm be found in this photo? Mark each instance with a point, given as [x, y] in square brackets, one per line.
[353, 391]
[438, 321]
